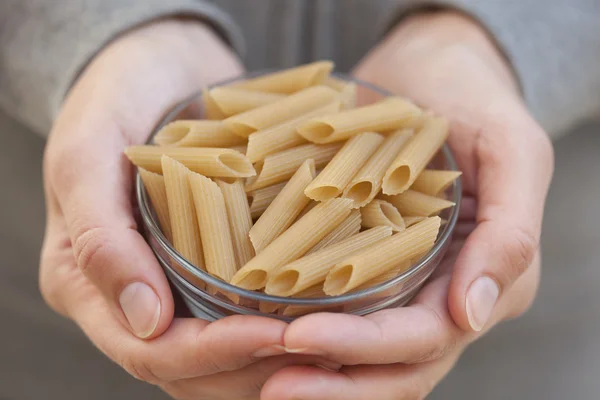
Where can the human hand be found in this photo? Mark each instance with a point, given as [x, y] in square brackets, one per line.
[95, 267]
[445, 62]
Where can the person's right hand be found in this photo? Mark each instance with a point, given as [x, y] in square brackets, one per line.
[96, 269]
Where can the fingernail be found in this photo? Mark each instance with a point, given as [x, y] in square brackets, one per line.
[329, 366]
[270, 351]
[141, 307]
[481, 299]
[306, 351]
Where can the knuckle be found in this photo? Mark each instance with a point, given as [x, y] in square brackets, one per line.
[444, 340]
[520, 249]
[139, 370]
[90, 245]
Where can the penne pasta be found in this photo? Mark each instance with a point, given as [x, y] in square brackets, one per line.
[311, 204]
[381, 257]
[434, 182]
[283, 136]
[386, 276]
[196, 133]
[312, 269]
[286, 109]
[284, 209]
[413, 157]
[213, 162]
[389, 114]
[210, 109]
[214, 227]
[344, 165]
[365, 185]
[268, 307]
[313, 292]
[155, 187]
[293, 243]
[381, 213]
[346, 89]
[350, 226]
[281, 166]
[410, 220]
[240, 220]
[230, 101]
[184, 226]
[290, 80]
[240, 149]
[261, 198]
[417, 203]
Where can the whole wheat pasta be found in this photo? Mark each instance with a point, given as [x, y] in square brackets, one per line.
[284, 209]
[344, 165]
[214, 227]
[184, 226]
[417, 203]
[281, 166]
[240, 220]
[213, 162]
[365, 185]
[381, 213]
[155, 187]
[434, 182]
[312, 269]
[289, 80]
[231, 101]
[413, 157]
[381, 257]
[389, 114]
[196, 133]
[350, 226]
[293, 243]
[290, 107]
[261, 198]
[283, 136]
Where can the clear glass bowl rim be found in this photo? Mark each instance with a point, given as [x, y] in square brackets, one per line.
[152, 225]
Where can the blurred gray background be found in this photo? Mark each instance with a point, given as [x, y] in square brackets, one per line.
[551, 353]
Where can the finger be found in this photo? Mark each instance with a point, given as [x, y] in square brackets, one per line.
[93, 184]
[513, 179]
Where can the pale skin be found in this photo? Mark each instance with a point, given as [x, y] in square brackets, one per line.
[97, 270]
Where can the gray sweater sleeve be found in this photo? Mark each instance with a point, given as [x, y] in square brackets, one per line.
[45, 44]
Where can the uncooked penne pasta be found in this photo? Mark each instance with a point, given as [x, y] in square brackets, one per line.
[268, 307]
[350, 226]
[381, 213]
[283, 136]
[417, 203]
[312, 269]
[261, 198]
[345, 164]
[155, 187]
[281, 166]
[410, 220]
[284, 209]
[346, 89]
[184, 225]
[381, 257]
[313, 292]
[290, 80]
[240, 221]
[210, 109]
[196, 133]
[386, 276]
[293, 243]
[286, 109]
[388, 114]
[413, 157]
[365, 185]
[311, 204]
[214, 227]
[213, 162]
[241, 148]
[434, 182]
[231, 101]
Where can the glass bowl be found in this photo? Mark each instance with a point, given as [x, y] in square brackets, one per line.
[211, 298]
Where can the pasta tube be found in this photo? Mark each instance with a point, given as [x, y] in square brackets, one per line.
[389, 114]
[350, 226]
[215, 162]
[196, 133]
[155, 187]
[410, 220]
[417, 203]
[275, 113]
[214, 227]
[312, 269]
[386, 276]
[231, 101]
[240, 221]
[344, 165]
[434, 182]
[293, 243]
[415, 156]
[261, 198]
[381, 213]
[381, 257]
[346, 89]
[365, 185]
[284, 209]
[281, 166]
